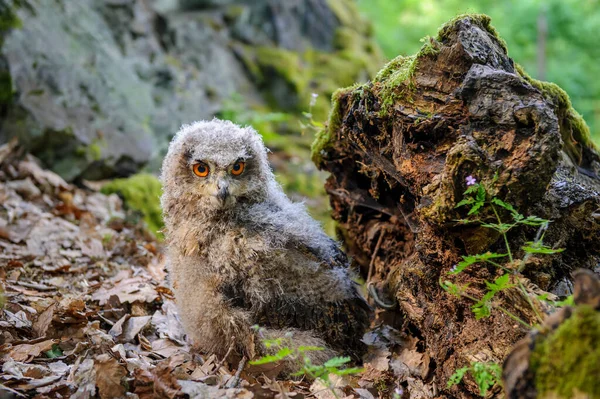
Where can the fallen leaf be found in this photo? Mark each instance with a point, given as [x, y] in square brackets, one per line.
[128, 290]
[19, 319]
[165, 347]
[130, 328]
[331, 390]
[168, 324]
[156, 267]
[83, 376]
[110, 376]
[26, 352]
[410, 363]
[43, 321]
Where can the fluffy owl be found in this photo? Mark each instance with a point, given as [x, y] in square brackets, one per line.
[242, 254]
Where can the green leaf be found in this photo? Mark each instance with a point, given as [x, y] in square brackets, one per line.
[280, 355]
[539, 248]
[472, 189]
[499, 227]
[457, 377]
[348, 371]
[500, 283]
[337, 361]
[568, 301]
[533, 221]
[504, 205]
[303, 348]
[451, 288]
[54, 352]
[466, 201]
[486, 375]
[269, 343]
[481, 310]
[475, 208]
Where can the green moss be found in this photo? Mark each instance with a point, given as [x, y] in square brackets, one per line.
[323, 139]
[8, 21]
[482, 20]
[8, 17]
[573, 129]
[567, 361]
[285, 63]
[348, 14]
[6, 89]
[93, 151]
[140, 192]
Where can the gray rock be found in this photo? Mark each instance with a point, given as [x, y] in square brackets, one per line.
[96, 88]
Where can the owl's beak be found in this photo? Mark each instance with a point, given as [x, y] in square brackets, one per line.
[223, 192]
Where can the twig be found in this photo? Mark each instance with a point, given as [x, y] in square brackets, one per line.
[381, 233]
[233, 383]
[226, 354]
[110, 323]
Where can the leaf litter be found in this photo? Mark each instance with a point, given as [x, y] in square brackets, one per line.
[88, 313]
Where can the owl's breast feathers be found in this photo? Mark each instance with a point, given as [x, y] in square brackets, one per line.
[322, 300]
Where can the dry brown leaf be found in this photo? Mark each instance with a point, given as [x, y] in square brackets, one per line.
[321, 390]
[117, 328]
[32, 376]
[410, 363]
[83, 376]
[156, 268]
[165, 347]
[132, 327]
[157, 383]
[128, 290]
[378, 358]
[26, 352]
[110, 376]
[168, 324]
[43, 321]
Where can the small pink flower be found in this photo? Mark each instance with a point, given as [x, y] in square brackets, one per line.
[471, 180]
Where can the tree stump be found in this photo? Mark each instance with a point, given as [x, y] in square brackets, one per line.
[400, 149]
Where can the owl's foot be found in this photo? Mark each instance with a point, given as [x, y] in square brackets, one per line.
[373, 293]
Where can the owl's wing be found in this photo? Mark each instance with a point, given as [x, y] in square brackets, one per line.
[328, 254]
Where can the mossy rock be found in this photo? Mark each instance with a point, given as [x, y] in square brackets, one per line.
[567, 362]
[141, 193]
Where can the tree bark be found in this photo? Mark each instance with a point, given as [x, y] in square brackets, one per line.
[399, 150]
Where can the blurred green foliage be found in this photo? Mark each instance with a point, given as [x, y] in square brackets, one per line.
[571, 51]
[141, 193]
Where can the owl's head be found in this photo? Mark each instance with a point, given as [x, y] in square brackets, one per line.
[215, 164]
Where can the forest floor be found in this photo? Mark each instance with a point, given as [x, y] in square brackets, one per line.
[87, 310]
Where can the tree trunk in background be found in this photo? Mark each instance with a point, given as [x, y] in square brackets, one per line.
[399, 150]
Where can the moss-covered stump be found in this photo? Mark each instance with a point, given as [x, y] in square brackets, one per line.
[561, 359]
[399, 150]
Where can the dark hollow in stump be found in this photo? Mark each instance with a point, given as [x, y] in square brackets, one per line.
[399, 150]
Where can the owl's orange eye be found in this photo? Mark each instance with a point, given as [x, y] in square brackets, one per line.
[201, 169]
[238, 168]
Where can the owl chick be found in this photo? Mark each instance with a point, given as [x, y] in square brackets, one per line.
[242, 254]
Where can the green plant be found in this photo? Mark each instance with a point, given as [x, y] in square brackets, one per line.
[265, 122]
[311, 125]
[482, 207]
[284, 350]
[477, 197]
[486, 375]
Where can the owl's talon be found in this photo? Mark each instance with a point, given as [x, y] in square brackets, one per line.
[381, 304]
